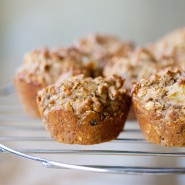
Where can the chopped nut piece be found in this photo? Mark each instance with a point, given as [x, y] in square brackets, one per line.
[158, 105]
[141, 93]
[149, 105]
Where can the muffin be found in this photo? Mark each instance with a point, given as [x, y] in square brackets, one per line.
[101, 48]
[160, 107]
[43, 67]
[172, 46]
[141, 64]
[85, 110]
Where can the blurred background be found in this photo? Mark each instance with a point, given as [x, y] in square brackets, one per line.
[29, 24]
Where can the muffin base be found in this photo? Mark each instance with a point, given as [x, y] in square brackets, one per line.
[27, 93]
[131, 114]
[157, 130]
[64, 127]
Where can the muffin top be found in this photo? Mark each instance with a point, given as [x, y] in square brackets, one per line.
[141, 64]
[45, 66]
[99, 97]
[163, 95]
[99, 46]
[172, 45]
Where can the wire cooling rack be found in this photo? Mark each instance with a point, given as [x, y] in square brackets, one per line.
[129, 154]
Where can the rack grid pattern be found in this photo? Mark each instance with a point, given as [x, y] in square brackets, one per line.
[30, 140]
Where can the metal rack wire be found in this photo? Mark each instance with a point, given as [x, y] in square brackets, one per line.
[31, 141]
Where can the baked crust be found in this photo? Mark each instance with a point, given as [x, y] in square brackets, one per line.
[158, 131]
[84, 110]
[27, 93]
[159, 106]
[131, 114]
[64, 127]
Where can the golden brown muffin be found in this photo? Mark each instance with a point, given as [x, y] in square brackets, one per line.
[160, 107]
[85, 110]
[101, 48]
[141, 64]
[171, 46]
[44, 67]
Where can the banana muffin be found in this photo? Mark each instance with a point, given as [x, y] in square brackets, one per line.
[85, 110]
[43, 67]
[141, 64]
[102, 47]
[172, 46]
[160, 107]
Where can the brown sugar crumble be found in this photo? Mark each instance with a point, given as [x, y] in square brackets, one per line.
[45, 66]
[104, 97]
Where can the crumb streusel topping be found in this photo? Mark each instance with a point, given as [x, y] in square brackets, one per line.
[172, 45]
[100, 48]
[99, 45]
[163, 95]
[101, 97]
[45, 66]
